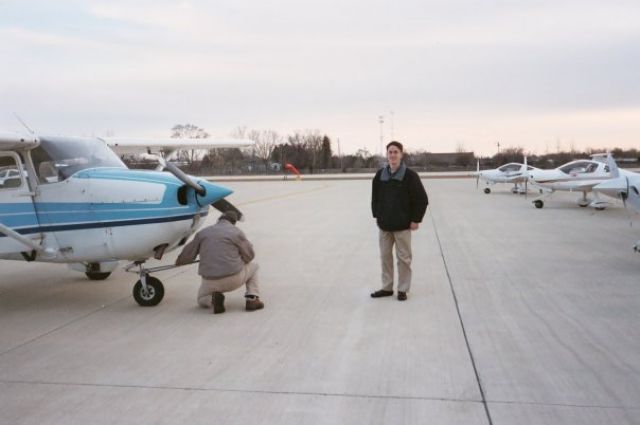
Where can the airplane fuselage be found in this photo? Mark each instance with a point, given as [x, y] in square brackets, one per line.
[97, 214]
[579, 175]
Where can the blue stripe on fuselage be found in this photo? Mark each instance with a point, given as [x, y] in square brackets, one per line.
[103, 224]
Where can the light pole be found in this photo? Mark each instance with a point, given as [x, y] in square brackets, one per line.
[381, 121]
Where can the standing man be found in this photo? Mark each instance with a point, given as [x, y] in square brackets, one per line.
[225, 263]
[398, 203]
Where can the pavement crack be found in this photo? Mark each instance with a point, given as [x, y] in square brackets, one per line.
[464, 331]
[315, 394]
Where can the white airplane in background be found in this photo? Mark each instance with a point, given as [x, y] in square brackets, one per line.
[78, 203]
[624, 185]
[575, 176]
[512, 172]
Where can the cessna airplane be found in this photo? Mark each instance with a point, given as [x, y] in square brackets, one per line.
[575, 176]
[76, 202]
[509, 173]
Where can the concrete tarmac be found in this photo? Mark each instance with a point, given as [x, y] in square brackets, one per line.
[516, 315]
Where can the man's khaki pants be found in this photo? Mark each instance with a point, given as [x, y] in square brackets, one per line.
[247, 276]
[402, 241]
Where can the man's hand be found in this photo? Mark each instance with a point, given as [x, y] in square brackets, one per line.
[414, 226]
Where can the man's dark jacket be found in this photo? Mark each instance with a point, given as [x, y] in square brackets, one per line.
[398, 199]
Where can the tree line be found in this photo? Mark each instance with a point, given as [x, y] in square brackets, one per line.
[312, 151]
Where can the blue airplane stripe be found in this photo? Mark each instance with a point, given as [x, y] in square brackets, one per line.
[66, 206]
[129, 175]
[69, 217]
[101, 224]
[30, 218]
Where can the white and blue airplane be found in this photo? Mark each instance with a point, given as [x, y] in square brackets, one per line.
[76, 202]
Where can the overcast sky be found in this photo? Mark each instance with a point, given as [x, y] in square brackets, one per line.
[531, 74]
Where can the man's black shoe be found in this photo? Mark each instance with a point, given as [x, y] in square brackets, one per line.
[381, 293]
[402, 296]
[217, 299]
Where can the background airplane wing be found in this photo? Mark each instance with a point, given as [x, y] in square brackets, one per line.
[12, 141]
[131, 146]
[586, 185]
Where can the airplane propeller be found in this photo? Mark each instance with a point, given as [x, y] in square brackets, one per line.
[624, 195]
[526, 178]
[221, 205]
[478, 173]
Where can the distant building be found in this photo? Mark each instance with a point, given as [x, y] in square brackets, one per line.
[449, 158]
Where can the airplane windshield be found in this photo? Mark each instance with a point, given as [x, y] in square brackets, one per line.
[57, 158]
[510, 167]
[580, 167]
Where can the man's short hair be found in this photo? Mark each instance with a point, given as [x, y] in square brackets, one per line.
[396, 144]
[230, 216]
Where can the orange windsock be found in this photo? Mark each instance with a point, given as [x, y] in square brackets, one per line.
[291, 168]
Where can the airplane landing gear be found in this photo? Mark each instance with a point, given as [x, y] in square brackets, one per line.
[636, 247]
[538, 203]
[98, 275]
[148, 291]
[487, 190]
[584, 202]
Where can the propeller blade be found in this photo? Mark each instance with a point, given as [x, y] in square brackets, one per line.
[624, 201]
[173, 169]
[478, 173]
[223, 205]
[526, 178]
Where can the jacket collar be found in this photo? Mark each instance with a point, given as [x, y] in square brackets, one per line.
[398, 175]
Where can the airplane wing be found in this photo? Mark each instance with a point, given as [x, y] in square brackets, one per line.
[587, 185]
[14, 141]
[131, 146]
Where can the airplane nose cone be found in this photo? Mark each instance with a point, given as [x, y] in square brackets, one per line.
[213, 193]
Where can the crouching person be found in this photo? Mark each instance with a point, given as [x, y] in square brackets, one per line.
[225, 263]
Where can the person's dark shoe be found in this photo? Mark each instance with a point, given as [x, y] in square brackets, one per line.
[381, 293]
[402, 296]
[217, 299]
[254, 304]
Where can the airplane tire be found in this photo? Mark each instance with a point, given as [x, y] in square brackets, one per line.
[487, 190]
[98, 275]
[153, 296]
[538, 203]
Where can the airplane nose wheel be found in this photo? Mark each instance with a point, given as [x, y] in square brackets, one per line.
[149, 294]
[538, 203]
[487, 190]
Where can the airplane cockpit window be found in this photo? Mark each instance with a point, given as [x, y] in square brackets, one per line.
[579, 167]
[510, 167]
[58, 158]
[9, 173]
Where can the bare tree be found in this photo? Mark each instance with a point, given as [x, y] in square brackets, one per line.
[265, 142]
[188, 131]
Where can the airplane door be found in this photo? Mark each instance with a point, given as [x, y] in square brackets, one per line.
[17, 210]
